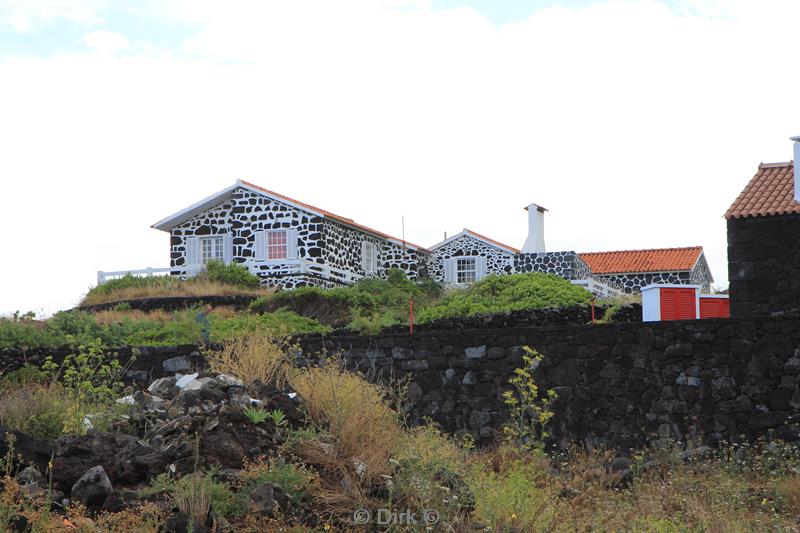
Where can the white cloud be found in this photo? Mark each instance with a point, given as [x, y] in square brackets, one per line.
[26, 15]
[106, 42]
[635, 125]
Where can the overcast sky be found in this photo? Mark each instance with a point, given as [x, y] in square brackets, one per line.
[635, 122]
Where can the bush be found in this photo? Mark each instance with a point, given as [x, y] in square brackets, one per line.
[364, 431]
[332, 307]
[497, 294]
[258, 360]
[41, 411]
[232, 274]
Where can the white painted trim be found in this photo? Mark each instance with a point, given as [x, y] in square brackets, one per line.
[183, 215]
[196, 208]
[467, 233]
[718, 296]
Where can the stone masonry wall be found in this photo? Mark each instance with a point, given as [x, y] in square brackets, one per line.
[621, 384]
[764, 265]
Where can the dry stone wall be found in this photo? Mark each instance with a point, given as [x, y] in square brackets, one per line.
[619, 384]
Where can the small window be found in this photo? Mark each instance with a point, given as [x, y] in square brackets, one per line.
[277, 244]
[211, 248]
[466, 270]
[369, 257]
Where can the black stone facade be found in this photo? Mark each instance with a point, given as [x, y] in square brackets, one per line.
[764, 265]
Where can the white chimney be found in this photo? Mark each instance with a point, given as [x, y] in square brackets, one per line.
[534, 244]
[796, 171]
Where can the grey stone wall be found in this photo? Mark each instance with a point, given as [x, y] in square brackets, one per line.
[764, 265]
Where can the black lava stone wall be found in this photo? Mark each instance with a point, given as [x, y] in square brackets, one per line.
[764, 265]
[622, 384]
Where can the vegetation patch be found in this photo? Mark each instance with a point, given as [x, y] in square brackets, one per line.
[217, 280]
[498, 294]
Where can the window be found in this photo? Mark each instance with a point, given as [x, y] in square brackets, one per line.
[466, 270]
[212, 248]
[369, 257]
[277, 244]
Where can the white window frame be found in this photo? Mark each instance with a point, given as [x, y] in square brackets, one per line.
[468, 267]
[269, 235]
[211, 247]
[369, 257]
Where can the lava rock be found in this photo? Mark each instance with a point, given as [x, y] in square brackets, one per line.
[92, 488]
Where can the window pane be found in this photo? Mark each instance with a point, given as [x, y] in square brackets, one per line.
[277, 244]
[465, 270]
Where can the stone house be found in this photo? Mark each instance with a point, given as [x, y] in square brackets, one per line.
[764, 241]
[287, 243]
[634, 269]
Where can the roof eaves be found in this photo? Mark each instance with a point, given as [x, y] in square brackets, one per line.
[166, 224]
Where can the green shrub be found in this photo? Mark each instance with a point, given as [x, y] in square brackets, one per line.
[279, 323]
[255, 415]
[497, 294]
[91, 375]
[294, 479]
[333, 307]
[25, 375]
[232, 274]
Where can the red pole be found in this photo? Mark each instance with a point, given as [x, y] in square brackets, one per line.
[593, 299]
[411, 316]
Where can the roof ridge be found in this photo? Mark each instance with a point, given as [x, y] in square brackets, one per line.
[332, 215]
[776, 165]
[643, 250]
[475, 233]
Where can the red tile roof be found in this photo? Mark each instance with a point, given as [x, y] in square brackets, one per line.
[655, 260]
[328, 214]
[770, 192]
[485, 238]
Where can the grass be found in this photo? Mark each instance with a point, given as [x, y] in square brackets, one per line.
[260, 359]
[135, 328]
[359, 432]
[354, 451]
[165, 287]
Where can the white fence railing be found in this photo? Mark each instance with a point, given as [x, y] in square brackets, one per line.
[598, 288]
[287, 266]
[183, 272]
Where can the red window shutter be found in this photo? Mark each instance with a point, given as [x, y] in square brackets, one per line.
[687, 309]
[668, 304]
[709, 308]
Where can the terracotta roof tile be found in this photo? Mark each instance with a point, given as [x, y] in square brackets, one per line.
[655, 260]
[333, 216]
[770, 192]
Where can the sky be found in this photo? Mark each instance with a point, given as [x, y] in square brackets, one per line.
[635, 122]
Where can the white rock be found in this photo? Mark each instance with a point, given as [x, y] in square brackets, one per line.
[126, 400]
[229, 381]
[185, 380]
[197, 384]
